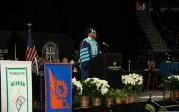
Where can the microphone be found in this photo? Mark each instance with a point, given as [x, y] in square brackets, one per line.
[104, 43]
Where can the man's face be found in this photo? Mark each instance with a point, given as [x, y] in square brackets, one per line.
[92, 35]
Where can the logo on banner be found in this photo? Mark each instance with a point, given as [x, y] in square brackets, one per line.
[58, 92]
[19, 102]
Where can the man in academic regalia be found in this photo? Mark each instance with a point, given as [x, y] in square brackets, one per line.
[89, 48]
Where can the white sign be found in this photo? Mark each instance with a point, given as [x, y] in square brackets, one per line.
[16, 86]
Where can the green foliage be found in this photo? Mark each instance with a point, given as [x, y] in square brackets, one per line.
[90, 89]
[117, 93]
[87, 87]
[120, 93]
[150, 108]
[133, 89]
[94, 91]
[76, 54]
[75, 91]
[162, 109]
[171, 83]
[76, 100]
[98, 87]
[111, 93]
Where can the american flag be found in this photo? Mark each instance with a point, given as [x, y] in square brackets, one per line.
[31, 52]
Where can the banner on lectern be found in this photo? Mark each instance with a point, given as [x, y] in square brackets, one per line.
[58, 88]
[16, 86]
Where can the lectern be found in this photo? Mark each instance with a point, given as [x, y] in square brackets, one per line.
[107, 66]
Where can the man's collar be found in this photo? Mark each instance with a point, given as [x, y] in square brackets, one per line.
[91, 38]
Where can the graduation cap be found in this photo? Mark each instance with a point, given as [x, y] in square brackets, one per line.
[91, 30]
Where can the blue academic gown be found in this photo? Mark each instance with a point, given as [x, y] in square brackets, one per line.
[89, 48]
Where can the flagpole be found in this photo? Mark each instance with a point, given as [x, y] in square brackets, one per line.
[37, 67]
[36, 61]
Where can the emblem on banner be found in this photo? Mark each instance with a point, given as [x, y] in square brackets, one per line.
[19, 102]
[58, 92]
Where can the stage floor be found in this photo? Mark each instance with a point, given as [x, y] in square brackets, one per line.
[154, 95]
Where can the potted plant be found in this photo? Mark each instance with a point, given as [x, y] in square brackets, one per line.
[86, 93]
[77, 90]
[98, 88]
[77, 87]
[82, 91]
[171, 85]
[110, 97]
[132, 84]
[120, 95]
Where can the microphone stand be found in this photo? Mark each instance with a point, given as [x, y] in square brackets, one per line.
[129, 65]
[107, 48]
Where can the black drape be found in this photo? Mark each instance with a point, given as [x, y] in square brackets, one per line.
[113, 19]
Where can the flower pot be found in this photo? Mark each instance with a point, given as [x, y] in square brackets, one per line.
[127, 100]
[96, 101]
[171, 94]
[84, 101]
[167, 94]
[123, 100]
[133, 99]
[176, 94]
[130, 99]
[110, 101]
[119, 100]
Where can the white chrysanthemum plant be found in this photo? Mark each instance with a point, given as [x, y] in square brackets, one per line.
[172, 82]
[174, 76]
[132, 82]
[99, 87]
[77, 86]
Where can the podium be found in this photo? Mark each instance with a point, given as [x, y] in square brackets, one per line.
[108, 67]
